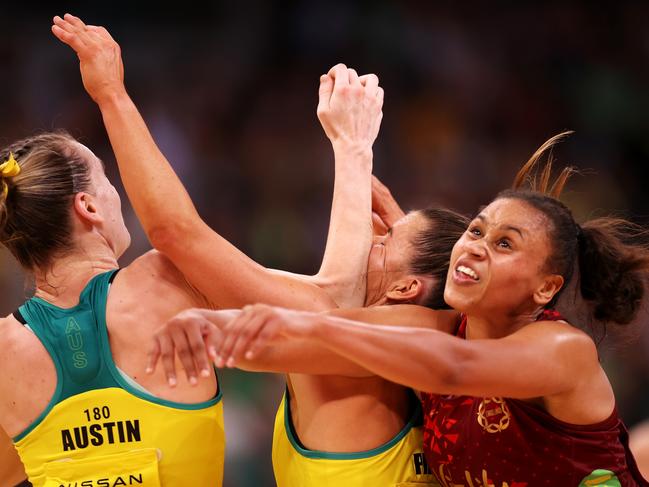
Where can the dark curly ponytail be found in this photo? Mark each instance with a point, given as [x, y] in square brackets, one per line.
[612, 271]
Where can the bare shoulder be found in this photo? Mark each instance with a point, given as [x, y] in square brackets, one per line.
[156, 269]
[408, 315]
[561, 330]
[10, 331]
[15, 340]
[561, 337]
[153, 263]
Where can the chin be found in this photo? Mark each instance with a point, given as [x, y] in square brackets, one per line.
[459, 301]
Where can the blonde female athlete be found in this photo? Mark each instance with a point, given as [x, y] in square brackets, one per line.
[72, 394]
[517, 396]
[384, 446]
[71, 387]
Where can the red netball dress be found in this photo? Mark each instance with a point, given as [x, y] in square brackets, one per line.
[503, 442]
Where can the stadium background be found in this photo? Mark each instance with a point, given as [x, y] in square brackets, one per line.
[229, 91]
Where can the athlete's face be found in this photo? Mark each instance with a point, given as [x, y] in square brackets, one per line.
[498, 265]
[109, 204]
[390, 257]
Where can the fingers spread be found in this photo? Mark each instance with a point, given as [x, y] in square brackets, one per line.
[63, 24]
[213, 342]
[181, 344]
[76, 22]
[167, 358]
[152, 356]
[65, 37]
[198, 347]
[69, 34]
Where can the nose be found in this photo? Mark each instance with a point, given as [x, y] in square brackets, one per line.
[476, 248]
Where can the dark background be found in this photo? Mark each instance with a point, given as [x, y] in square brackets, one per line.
[230, 89]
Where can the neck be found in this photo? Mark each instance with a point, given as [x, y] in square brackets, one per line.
[495, 326]
[62, 283]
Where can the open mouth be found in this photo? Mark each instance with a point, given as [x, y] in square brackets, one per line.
[466, 272]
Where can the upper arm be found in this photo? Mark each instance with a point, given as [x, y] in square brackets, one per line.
[159, 265]
[541, 359]
[230, 279]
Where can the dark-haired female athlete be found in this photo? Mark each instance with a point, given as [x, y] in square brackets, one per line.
[517, 397]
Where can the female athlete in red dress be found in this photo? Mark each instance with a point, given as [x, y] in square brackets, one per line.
[518, 397]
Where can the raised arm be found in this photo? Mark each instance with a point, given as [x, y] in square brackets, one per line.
[349, 110]
[225, 275]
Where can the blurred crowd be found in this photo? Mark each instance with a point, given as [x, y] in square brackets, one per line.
[229, 90]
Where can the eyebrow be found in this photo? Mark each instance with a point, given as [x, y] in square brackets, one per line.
[515, 229]
[483, 218]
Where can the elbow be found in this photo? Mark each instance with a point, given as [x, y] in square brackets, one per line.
[450, 373]
[166, 236]
[344, 292]
[443, 380]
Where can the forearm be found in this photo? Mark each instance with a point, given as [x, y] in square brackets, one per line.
[303, 357]
[425, 360]
[287, 355]
[156, 193]
[349, 239]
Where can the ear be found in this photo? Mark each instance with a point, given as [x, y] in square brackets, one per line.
[409, 289]
[550, 286]
[85, 208]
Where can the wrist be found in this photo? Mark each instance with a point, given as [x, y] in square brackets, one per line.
[111, 96]
[352, 148]
[356, 156]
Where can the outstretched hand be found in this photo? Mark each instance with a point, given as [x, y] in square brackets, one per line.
[350, 107]
[100, 60]
[225, 338]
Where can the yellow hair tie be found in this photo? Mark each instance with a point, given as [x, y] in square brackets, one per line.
[8, 169]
